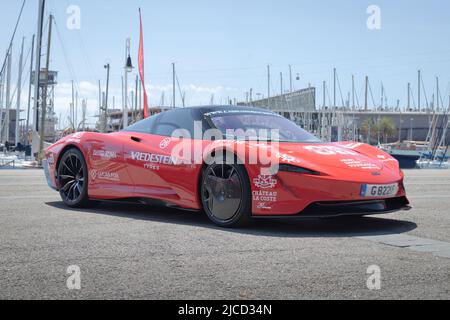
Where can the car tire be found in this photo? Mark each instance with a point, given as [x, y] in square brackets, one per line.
[226, 194]
[73, 179]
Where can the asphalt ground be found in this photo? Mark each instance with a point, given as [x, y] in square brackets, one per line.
[139, 252]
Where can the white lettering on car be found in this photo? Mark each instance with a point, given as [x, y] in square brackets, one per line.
[352, 163]
[330, 150]
[104, 175]
[265, 196]
[104, 154]
[154, 158]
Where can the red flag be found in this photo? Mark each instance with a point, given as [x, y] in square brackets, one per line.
[141, 65]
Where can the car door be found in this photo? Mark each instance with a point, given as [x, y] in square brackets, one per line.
[108, 174]
[156, 172]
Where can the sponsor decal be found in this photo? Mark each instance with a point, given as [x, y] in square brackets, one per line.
[352, 163]
[104, 175]
[352, 145]
[265, 196]
[154, 158]
[164, 144]
[104, 154]
[330, 150]
[265, 182]
[235, 111]
[263, 206]
[151, 166]
[287, 158]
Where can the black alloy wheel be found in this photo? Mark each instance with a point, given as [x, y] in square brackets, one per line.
[73, 179]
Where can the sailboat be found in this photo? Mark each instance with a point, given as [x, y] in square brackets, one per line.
[436, 157]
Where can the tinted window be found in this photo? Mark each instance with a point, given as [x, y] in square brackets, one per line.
[259, 125]
[143, 126]
[174, 120]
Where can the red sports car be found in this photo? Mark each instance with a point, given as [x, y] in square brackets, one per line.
[234, 163]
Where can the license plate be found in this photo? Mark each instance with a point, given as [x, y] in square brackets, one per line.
[379, 191]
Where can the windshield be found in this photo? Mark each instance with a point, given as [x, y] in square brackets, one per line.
[260, 126]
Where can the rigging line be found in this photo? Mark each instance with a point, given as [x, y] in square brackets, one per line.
[371, 94]
[86, 58]
[412, 97]
[425, 93]
[362, 95]
[24, 79]
[181, 93]
[315, 62]
[340, 91]
[13, 36]
[440, 97]
[66, 58]
[329, 97]
[22, 85]
[357, 100]
[385, 100]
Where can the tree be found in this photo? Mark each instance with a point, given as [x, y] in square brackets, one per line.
[387, 128]
[384, 127]
[368, 127]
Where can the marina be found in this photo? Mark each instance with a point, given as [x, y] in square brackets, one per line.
[333, 117]
[26, 129]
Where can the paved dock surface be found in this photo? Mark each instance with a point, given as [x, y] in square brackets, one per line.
[138, 252]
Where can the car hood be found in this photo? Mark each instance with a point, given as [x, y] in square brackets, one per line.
[329, 155]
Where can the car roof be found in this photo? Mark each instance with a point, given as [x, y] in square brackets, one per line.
[208, 109]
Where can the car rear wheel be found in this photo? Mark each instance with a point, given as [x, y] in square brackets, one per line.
[226, 194]
[73, 179]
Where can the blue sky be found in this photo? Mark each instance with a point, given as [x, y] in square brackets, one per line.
[223, 47]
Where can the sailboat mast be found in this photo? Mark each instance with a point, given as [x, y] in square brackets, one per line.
[44, 90]
[419, 90]
[353, 92]
[19, 94]
[30, 85]
[290, 79]
[268, 86]
[334, 88]
[8, 98]
[37, 68]
[437, 94]
[1, 102]
[173, 86]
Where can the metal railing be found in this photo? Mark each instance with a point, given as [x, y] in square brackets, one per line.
[7, 164]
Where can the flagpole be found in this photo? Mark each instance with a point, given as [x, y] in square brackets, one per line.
[141, 66]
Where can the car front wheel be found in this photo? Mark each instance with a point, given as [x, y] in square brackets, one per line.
[73, 179]
[226, 194]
